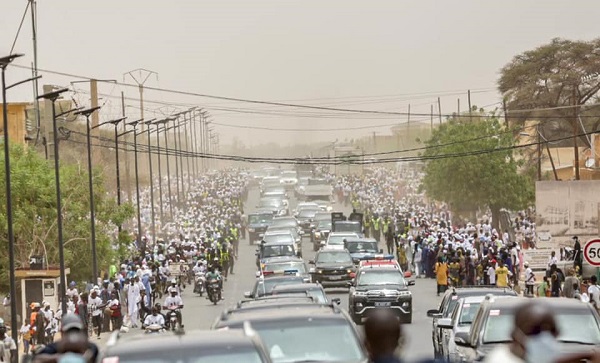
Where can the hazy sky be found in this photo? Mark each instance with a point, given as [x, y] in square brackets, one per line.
[373, 55]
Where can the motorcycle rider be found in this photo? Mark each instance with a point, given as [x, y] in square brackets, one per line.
[213, 274]
[174, 300]
[154, 319]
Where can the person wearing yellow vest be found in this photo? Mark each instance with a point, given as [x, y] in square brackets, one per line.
[367, 226]
[376, 227]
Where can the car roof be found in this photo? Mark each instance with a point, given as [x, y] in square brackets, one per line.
[279, 243]
[276, 232]
[361, 240]
[473, 299]
[196, 338]
[281, 277]
[347, 234]
[281, 260]
[332, 249]
[290, 301]
[308, 311]
[481, 290]
[297, 287]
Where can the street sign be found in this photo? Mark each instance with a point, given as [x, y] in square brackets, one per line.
[591, 252]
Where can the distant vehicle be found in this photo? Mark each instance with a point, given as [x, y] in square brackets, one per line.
[335, 240]
[317, 189]
[277, 206]
[333, 268]
[282, 245]
[320, 233]
[258, 223]
[314, 290]
[283, 236]
[287, 229]
[264, 284]
[202, 346]
[281, 265]
[362, 247]
[305, 219]
[289, 179]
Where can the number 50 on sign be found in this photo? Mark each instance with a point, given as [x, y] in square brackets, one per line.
[591, 252]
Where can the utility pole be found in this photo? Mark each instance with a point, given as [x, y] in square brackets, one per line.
[575, 132]
[94, 102]
[431, 126]
[440, 110]
[539, 152]
[127, 174]
[141, 76]
[48, 129]
[469, 100]
[505, 112]
[458, 110]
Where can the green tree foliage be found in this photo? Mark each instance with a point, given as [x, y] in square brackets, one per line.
[34, 215]
[476, 179]
[560, 73]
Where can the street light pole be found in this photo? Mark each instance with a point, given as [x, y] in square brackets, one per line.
[148, 124]
[177, 176]
[168, 172]
[178, 135]
[115, 123]
[137, 179]
[187, 149]
[53, 96]
[4, 62]
[87, 113]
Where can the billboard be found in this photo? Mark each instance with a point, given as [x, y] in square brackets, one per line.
[565, 209]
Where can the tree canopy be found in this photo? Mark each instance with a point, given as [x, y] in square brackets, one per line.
[472, 165]
[34, 215]
[558, 74]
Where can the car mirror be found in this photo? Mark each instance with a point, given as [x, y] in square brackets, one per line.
[445, 323]
[248, 295]
[311, 262]
[432, 313]
[336, 300]
[462, 339]
[411, 282]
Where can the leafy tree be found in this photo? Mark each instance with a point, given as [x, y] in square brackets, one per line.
[34, 215]
[475, 178]
[560, 73]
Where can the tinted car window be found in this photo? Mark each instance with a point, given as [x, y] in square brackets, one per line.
[392, 277]
[278, 250]
[333, 257]
[276, 267]
[310, 340]
[265, 287]
[261, 218]
[467, 315]
[357, 247]
[194, 355]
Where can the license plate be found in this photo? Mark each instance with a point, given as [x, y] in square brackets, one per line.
[335, 277]
[383, 304]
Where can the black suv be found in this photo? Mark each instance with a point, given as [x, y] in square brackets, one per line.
[380, 287]
[258, 223]
[333, 268]
[450, 299]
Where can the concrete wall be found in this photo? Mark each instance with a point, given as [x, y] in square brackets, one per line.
[16, 122]
[565, 209]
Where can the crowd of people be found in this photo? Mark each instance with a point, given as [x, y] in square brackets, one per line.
[202, 235]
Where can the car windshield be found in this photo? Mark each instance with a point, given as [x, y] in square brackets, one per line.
[392, 277]
[338, 240]
[227, 354]
[334, 257]
[324, 225]
[357, 247]
[269, 238]
[347, 227]
[278, 250]
[270, 203]
[310, 340]
[284, 223]
[468, 313]
[307, 213]
[579, 327]
[265, 287]
[260, 218]
[280, 267]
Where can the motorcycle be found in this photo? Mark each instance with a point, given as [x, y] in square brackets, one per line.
[199, 283]
[171, 317]
[155, 328]
[214, 291]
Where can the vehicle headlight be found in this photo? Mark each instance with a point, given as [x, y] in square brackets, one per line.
[319, 271]
[359, 305]
[251, 230]
[404, 293]
[405, 304]
[360, 293]
[317, 234]
[349, 271]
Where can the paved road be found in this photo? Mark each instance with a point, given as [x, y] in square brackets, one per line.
[199, 313]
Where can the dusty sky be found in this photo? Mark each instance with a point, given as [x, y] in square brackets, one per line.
[371, 55]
